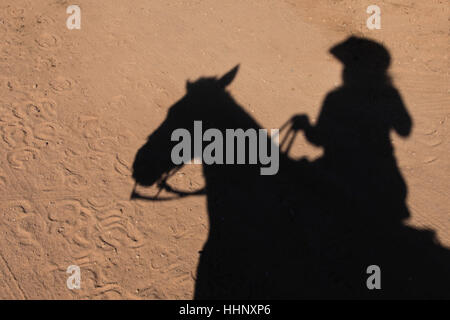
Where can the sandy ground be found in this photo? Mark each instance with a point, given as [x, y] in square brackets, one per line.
[75, 105]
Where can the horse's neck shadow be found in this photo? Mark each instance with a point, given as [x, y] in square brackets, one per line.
[240, 189]
[218, 110]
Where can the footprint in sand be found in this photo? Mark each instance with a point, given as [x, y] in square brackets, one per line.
[42, 110]
[15, 12]
[18, 159]
[47, 41]
[61, 84]
[17, 135]
[46, 131]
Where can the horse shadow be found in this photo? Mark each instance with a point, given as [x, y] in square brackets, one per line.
[313, 229]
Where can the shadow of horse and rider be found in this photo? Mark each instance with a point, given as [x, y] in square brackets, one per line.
[311, 230]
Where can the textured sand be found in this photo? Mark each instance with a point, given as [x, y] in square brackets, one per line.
[75, 105]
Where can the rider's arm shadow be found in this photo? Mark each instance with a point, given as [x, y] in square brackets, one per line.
[335, 115]
[401, 121]
[319, 133]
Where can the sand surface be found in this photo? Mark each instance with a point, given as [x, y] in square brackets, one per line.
[76, 105]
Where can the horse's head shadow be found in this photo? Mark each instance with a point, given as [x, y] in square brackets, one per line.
[205, 100]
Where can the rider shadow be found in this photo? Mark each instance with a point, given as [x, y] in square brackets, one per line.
[358, 187]
[311, 230]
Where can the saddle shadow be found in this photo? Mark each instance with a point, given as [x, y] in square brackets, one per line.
[312, 229]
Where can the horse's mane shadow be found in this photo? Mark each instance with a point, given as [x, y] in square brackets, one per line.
[296, 234]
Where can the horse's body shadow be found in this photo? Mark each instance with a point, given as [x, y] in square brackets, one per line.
[312, 230]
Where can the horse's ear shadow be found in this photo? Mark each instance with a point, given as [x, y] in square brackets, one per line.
[228, 77]
[188, 85]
